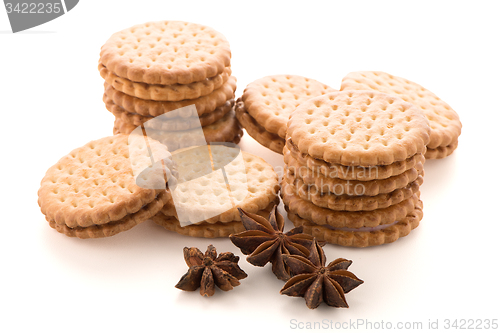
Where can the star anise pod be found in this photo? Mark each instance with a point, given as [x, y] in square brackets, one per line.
[209, 270]
[317, 283]
[264, 241]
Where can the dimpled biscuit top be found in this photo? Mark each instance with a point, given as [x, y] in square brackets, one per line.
[95, 184]
[271, 99]
[206, 194]
[358, 128]
[166, 52]
[443, 120]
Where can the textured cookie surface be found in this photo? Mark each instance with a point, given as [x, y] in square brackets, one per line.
[204, 104]
[166, 52]
[252, 182]
[271, 99]
[256, 131]
[368, 237]
[95, 184]
[444, 121]
[358, 128]
[158, 92]
[346, 172]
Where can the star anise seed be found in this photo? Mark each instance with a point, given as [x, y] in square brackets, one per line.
[317, 283]
[209, 270]
[264, 241]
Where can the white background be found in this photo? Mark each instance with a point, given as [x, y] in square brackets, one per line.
[51, 103]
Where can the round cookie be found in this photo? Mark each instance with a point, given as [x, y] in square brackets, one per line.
[172, 124]
[358, 128]
[444, 121]
[204, 104]
[95, 185]
[259, 133]
[368, 237]
[259, 179]
[157, 92]
[347, 172]
[271, 99]
[166, 52]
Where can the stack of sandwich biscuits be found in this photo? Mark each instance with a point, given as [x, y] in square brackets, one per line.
[354, 164]
[156, 68]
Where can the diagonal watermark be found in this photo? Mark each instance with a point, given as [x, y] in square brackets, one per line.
[26, 14]
[204, 180]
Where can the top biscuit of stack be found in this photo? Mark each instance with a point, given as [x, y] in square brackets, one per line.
[444, 121]
[166, 52]
[364, 128]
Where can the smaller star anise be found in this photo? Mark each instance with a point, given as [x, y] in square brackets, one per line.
[209, 270]
[264, 241]
[317, 283]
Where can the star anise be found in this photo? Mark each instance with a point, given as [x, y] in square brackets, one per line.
[209, 270]
[317, 283]
[264, 241]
